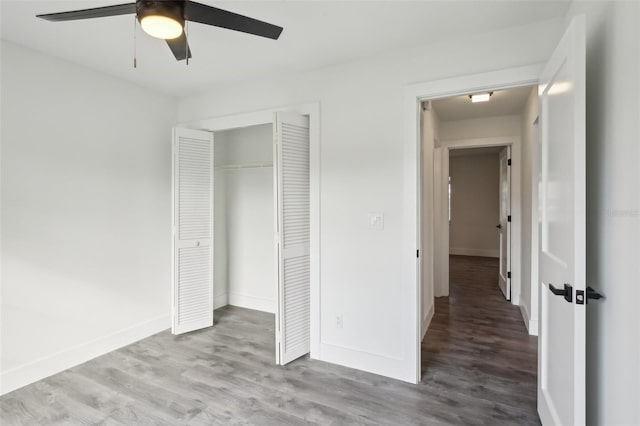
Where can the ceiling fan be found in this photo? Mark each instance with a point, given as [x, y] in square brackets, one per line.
[165, 19]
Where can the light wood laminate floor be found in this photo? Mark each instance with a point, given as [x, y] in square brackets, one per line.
[478, 362]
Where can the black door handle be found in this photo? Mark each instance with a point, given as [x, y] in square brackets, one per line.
[499, 226]
[567, 292]
[592, 294]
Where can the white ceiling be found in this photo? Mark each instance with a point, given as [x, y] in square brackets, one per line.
[503, 102]
[316, 34]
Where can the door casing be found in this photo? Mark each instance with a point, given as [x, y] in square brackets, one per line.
[441, 267]
[414, 95]
[255, 118]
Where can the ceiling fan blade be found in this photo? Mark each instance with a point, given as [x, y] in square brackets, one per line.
[209, 15]
[180, 47]
[97, 12]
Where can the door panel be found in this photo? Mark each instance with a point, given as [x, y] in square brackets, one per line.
[291, 137]
[192, 278]
[504, 226]
[561, 348]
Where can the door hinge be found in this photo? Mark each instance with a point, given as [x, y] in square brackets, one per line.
[417, 253]
[509, 275]
[509, 218]
[509, 162]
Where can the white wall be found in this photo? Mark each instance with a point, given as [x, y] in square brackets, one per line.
[245, 231]
[529, 255]
[613, 210]
[86, 214]
[489, 127]
[474, 205]
[220, 207]
[362, 170]
[441, 221]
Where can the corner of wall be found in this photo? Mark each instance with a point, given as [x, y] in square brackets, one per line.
[220, 300]
[531, 324]
[426, 319]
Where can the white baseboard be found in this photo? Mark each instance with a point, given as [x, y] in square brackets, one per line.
[531, 324]
[474, 252]
[44, 367]
[250, 302]
[427, 319]
[220, 300]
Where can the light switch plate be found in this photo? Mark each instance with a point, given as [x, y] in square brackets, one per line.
[376, 221]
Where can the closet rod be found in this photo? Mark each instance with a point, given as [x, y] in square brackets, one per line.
[244, 166]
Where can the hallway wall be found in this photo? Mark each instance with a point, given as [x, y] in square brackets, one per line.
[475, 209]
[487, 127]
[529, 255]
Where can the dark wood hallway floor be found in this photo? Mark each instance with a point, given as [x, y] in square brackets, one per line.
[477, 345]
[479, 363]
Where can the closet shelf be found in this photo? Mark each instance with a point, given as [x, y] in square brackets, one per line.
[244, 166]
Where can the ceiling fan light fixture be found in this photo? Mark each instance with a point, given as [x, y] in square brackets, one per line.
[163, 27]
[161, 19]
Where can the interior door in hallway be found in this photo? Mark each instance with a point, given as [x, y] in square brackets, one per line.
[504, 227]
[562, 221]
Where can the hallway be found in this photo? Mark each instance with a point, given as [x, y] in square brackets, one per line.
[477, 345]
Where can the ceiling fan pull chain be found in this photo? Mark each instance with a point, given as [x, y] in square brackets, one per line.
[135, 40]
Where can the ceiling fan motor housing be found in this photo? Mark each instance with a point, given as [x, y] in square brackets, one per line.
[170, 9]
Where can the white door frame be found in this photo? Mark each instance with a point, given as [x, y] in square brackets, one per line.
[414, 95]
[516, 209]
[255, 118]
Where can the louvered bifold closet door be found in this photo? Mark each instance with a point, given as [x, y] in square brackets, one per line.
[192, 285]
[294, 234]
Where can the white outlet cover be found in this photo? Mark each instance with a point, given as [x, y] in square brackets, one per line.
[376, 221]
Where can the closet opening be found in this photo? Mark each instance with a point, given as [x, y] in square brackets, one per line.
[245, 275]
[242, 233]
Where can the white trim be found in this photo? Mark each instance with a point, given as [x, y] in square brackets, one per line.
[426, 321]
[254, 118]
[531, 324]
[252, 302]
[473, 252]
[516, 208]
[67, 358]
[413, 95]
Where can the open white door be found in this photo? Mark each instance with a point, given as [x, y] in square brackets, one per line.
[192, 274]
[504, 227]
[293, 236]
[562, 268]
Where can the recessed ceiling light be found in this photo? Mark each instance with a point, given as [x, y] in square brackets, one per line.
[481, 97]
